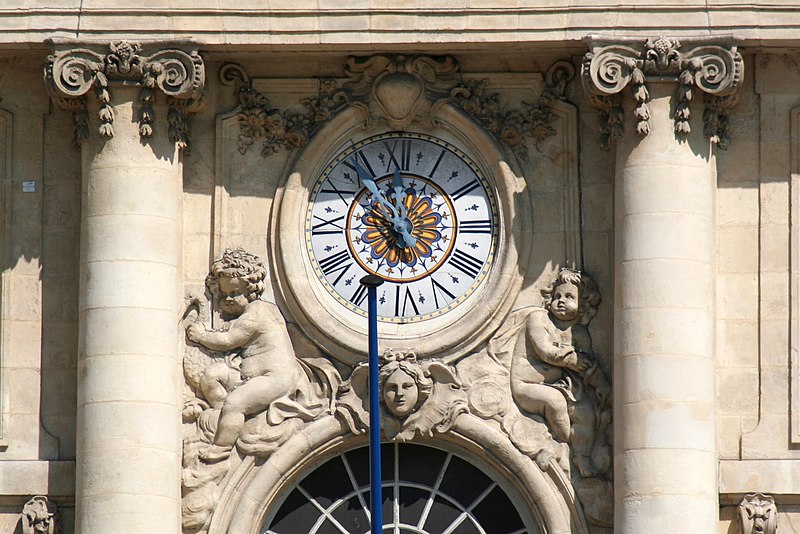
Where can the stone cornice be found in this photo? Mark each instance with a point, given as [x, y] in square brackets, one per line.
[72, 73]
[714, 70]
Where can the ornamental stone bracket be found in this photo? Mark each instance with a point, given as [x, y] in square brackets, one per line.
[716, 71]
[39, 516]
[71, 74]
[758, 514]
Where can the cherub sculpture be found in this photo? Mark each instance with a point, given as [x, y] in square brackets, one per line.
[417, 398]
[553, 366]
[256, 332]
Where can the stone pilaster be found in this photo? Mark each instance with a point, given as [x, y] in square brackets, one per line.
[664, 306]
[129, 374]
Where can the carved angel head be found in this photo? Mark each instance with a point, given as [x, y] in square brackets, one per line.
[246, 268]
[558, 298]
[403, 383]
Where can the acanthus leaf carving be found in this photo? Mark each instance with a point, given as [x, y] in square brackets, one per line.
[714, 70]
[71, 74]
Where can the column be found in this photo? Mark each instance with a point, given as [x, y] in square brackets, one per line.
[665, 459]
[128, 463]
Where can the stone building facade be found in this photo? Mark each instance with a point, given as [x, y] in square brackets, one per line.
[585, 218]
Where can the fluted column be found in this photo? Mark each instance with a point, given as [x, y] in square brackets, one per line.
[130, 112]
[665, 477]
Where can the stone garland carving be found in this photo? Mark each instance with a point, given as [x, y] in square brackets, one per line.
[39, 516]
[396, 91]
[714, 70]
[536, 381]
[277, 129]
[512, 126]
[758, 514]
[70, 75]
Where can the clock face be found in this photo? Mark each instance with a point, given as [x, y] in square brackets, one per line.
[410, 208]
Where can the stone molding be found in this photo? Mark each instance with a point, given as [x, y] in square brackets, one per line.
[39, 516]
[71, 74]
[714, 70]
[396, 91]
[758, 514]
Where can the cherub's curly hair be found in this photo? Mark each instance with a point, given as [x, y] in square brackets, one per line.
[238, 264]
[588, 294]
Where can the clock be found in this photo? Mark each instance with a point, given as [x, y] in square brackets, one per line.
[414, 210]
[438, 213]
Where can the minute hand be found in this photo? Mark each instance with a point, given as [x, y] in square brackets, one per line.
[398, 229]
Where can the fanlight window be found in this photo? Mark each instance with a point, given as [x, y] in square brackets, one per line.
[425, 491]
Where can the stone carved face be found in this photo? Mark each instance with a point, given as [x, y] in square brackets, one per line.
[564, 305]
[400, 393]
[232, 295]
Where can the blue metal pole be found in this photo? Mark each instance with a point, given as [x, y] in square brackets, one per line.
[372, 282]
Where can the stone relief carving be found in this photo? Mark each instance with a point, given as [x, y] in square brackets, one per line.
[70, 75]
[396, 91]
[758, 514]
[536, 381]
[713, 70]
[512, 126]
[277, 129]
[39, 516]
[417, 398]
[248, 388]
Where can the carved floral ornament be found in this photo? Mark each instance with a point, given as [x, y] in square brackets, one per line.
[396, 91]
[716, 71]
[71, 74]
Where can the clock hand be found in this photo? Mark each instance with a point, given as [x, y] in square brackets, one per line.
[398, 229]
[399, 222]
[369, 181]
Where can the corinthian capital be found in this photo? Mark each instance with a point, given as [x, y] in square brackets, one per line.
[712, 69]
[71, 74]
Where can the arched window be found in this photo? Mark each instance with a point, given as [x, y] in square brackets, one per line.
[425, 491]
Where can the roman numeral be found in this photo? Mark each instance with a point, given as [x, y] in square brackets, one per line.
[338, 262]
[464, 189]
[320, 228]
[359, 296]
[483, 226]
[467, 264]
[360, 157]
[436, 287]
[407, 298]
[405, 155]
[436, 165]
[340, 192]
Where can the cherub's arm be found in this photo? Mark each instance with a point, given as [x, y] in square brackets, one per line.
[240, 333]
[547, 348]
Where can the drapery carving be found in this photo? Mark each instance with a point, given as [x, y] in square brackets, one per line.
[70, 75]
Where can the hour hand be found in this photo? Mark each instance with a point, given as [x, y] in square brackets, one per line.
[369, 182]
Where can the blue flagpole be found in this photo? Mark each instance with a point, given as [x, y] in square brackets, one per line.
[372, 282]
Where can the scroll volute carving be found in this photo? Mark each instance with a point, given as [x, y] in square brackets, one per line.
[400, 90]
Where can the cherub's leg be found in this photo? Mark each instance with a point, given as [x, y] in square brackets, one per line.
[546, 401]
[252, 397]
[217, 380]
